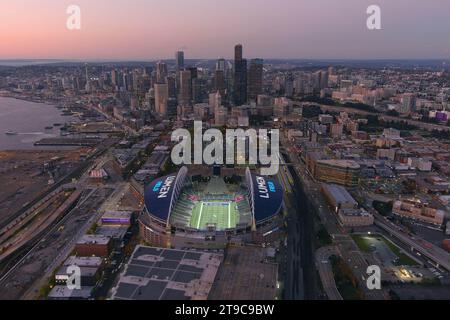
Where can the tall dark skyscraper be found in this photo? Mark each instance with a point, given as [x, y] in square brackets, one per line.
[185, 92]
[171, 84]
[194, 72]
[219, 82]
[240, 77]
[238, 52]
[179, 57]
[195, 84]
[255, 79]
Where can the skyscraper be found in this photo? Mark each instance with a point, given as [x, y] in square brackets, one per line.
[194, 72]
[221, 64]
[255, 79]
[127, 81]
[171, 84]
[240, 77]
[185, 87]
[238, 55]
[161, 98]
[324, 76]
[161, 72]
[196, 85]
[115, 78]
[179, 57]
[219, 82]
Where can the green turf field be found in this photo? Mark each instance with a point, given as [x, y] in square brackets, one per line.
[224, 216]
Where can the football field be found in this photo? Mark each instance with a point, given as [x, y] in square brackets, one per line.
[223, 214]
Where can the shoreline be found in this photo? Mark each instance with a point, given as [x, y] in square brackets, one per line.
[5, 94]
[47, 107]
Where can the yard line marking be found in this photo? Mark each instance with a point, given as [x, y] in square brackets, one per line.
[229, 215]
[200, 216]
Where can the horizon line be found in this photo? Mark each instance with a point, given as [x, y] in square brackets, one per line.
[212, 59]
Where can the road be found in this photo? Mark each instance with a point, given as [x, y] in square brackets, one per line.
[326, 272]
[294, 284]
[300, 270]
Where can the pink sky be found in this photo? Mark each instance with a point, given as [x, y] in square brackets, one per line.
[152, 29]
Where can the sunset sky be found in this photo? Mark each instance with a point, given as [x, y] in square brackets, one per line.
[153, 29]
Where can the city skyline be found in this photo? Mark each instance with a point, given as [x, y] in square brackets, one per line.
[269, 31]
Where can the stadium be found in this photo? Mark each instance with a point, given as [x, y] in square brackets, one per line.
[183, 211]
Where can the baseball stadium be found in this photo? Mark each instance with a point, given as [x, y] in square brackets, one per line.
[183, 211]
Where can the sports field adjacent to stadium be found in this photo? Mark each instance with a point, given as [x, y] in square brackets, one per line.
[223, 214]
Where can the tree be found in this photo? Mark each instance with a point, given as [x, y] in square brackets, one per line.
[441, 135]
[361, 106]
[393, 113]
[311, 111]
[383, 208]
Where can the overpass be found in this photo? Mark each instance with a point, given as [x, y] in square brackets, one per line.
[434, 253]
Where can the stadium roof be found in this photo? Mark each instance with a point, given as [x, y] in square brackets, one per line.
[162, 193]
[266, 194]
